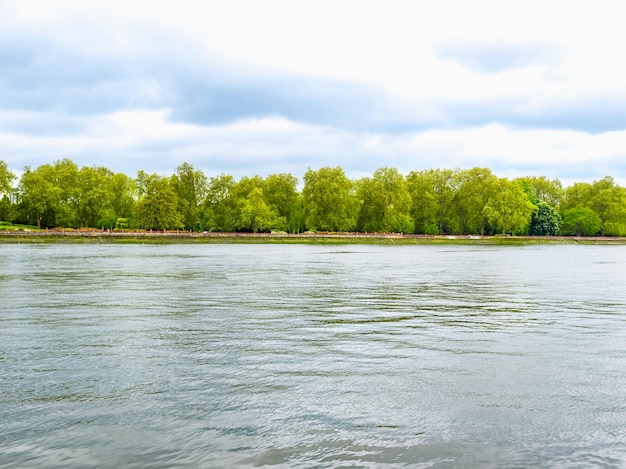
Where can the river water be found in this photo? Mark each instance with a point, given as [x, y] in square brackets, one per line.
[316, 356]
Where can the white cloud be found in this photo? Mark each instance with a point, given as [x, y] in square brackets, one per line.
[131, 140]
[440, 93]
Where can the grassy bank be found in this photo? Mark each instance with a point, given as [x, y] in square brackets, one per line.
[77, 236]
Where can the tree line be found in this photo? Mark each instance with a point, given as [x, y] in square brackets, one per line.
[434, 201]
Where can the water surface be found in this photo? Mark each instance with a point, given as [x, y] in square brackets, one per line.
[312, 356]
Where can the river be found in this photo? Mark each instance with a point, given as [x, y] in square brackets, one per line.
[312, 356]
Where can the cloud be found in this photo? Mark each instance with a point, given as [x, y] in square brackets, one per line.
[127, 141]
[590, 114]
[491, 57]
[282, 87]
[56, 76]
[196, 99]
[43, 76]
[34, 124]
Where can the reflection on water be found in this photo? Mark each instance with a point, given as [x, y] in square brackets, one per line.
[312, 356]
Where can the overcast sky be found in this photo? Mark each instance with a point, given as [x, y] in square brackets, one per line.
[265, 86]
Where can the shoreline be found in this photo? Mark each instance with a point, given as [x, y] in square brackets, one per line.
[168, 237]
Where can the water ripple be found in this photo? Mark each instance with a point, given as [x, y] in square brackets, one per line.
[312, 356]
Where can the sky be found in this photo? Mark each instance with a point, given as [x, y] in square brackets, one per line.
[246, 87]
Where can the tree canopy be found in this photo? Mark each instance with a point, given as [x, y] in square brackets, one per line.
[329, 199]
[433, 201]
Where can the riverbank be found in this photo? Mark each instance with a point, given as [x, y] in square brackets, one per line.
[167, 237]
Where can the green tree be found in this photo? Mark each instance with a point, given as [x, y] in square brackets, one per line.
[604, 198]
[296, 223]
[255, 214]
[581, 221]
[545, 221]
[329, 200]
[38, 196]
[544, 189]
[64, 176]
[280, 192]
[191, 187]
[157, 205]
[122, 198]
[608, 200]
[253, 210]
[432, 195]
[385, 202]
[6, 179]
[220, 206]
[508, 209]
[7, 211]
[476, 187]
[577, 195]
[93, 196]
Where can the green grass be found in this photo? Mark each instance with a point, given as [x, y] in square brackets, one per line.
[8, 226]
[18, 234]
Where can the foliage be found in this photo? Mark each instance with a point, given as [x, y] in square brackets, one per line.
[604, 198]
[545, 221]
[608, 200]
[329, 199]
[122, 224]
[281, 194]
[434, 201]
[7, 209]
[256, 215]
[6, 179]
[297, 216]
[93, 197]
[432, 197]
[37, 196]
[430, 229]
[476, 186]
[385, 203]
[577, 195]
[123, 196]
[542, 189]
[581, 221]
[220, 205]
[508, 210]
[190, 186]
[157, 205]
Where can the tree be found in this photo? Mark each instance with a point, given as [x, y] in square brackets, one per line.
[190, 186]
[432, 195]
[255, 214]
[156, 208]
[605, 198]
[38, 196]
[608, 200]
[476, 186]
[544, 189]
[577, 195]
[94, 196]
[6, 179]
[281, 194]
[329, 200]
[508, 209]
[385, 202]
[64, 176]
[545, 221]
[296, 223]
[220, 204]
[123, 197]
[7, 210]
[581, 221]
